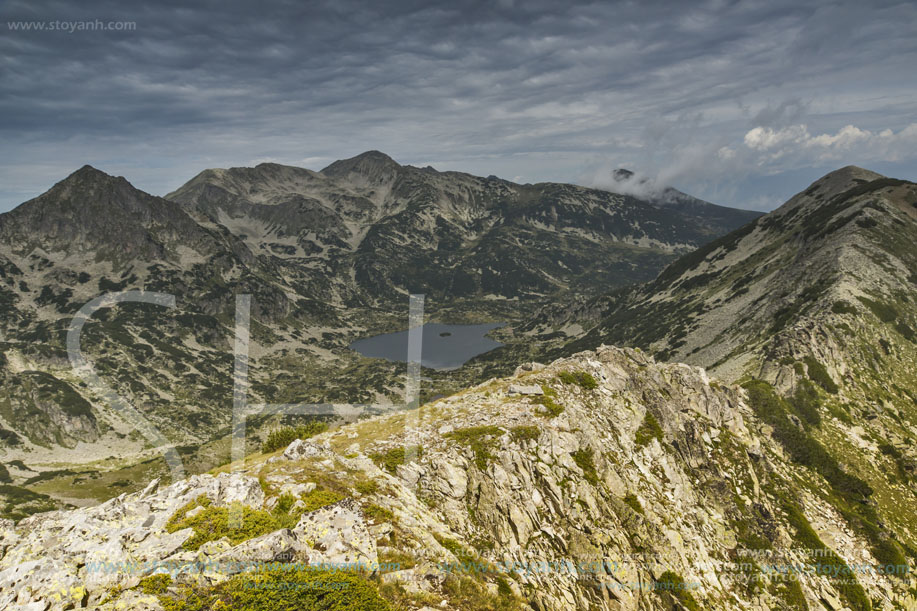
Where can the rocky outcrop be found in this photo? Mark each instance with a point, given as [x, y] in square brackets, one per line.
[644, 486]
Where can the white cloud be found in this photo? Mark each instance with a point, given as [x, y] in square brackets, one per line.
[765, 138]
[845, 138]
[850, 140]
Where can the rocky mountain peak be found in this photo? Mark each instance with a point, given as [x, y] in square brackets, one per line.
[371, 167]
[88, 177]
[88, 189]
[88, 171]
[92, 210]
[841, 180]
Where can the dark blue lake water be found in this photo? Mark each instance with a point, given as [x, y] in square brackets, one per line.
[444, 346]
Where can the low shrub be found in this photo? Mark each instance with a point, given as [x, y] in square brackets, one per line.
[281, 590]
[377, 513]
[649, 430]
[906, 331]
[212, 523]
[480, 439]
[552, 408]
[318, 498]
[390, 459]
[585, 460]
[368, 486]
[155, 584]
[631, 500]
[818, 374]
[806, 403]
[580, 378]
[842, 307]
[284, 436]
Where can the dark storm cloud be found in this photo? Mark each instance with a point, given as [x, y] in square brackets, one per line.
[527, 90]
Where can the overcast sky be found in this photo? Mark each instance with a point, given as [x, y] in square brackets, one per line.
[741, 103]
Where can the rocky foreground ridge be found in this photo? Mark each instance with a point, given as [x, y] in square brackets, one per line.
[602, 481]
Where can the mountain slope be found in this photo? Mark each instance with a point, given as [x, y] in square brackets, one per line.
[93, 234]
[813, 308]
[627, 485]
[728, 304]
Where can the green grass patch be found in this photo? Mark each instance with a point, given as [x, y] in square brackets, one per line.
[649, 429]
[480, 439]
[377, 513]
[806, 537]
[802, 447]
[284, 436]
[674, 584]
[390, 459]
[471, 595]
[899, 458]
[525, 433]
[818, 374]
[585, 460]
[17, 502]
[459, 551]
[883, 311]
[553, 409]
[469, 592]
[580, 378]
[281, 590]
[789, 592]
[631, 500]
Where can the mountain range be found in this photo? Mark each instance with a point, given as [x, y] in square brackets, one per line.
[695, 407]
[327, 256]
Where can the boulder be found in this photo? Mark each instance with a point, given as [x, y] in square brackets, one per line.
[300, 449]
[278, 546]
[336, 534]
